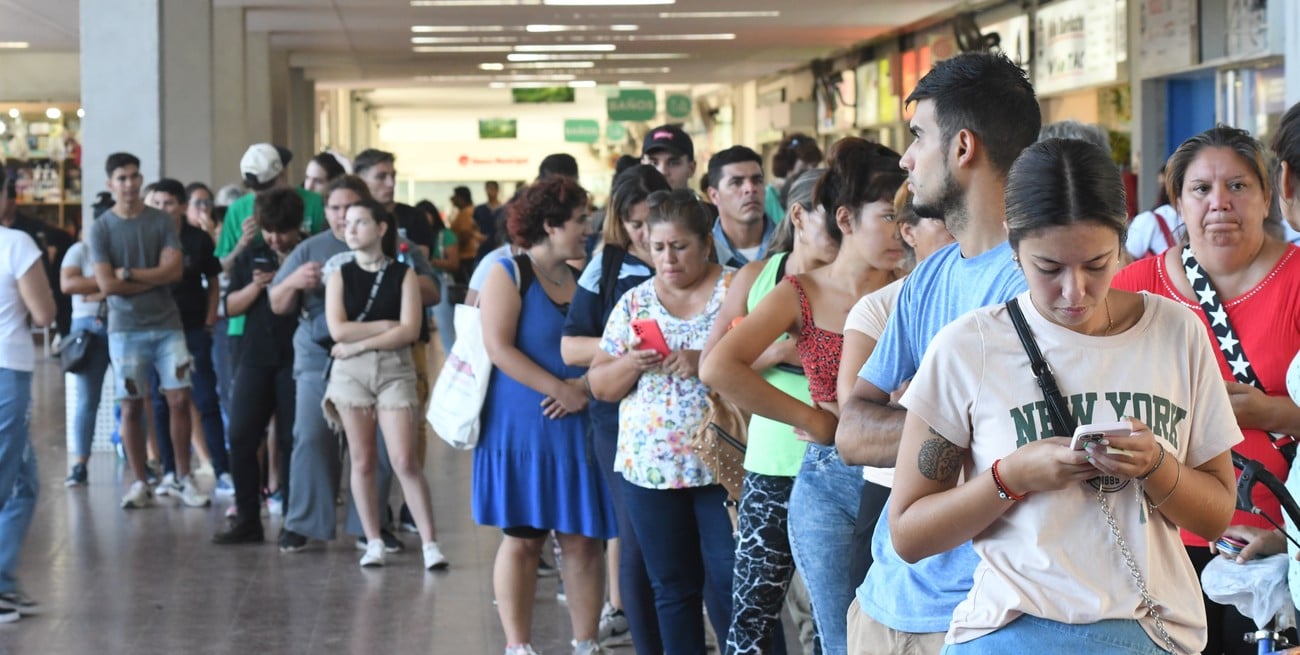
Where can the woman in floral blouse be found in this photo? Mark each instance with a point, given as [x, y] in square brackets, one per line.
[675, 504]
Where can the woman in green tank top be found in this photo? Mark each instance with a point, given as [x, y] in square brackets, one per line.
[773, 456]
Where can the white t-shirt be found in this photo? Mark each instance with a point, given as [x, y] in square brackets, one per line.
[18, 253]
[1052, 555]
[1145, 237]
[869, 316]
[78, 257]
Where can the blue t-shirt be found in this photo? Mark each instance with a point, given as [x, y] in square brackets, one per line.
[589, 311]
[921, 597]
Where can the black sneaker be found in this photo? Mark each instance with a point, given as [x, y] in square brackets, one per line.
[78, 476]
[17, 601]
[392, 544]
[242, 532]
[406, 522]
[292, 542]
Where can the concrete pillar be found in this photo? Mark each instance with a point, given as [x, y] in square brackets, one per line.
[1291, 50]
[257, 87]
[229, 127]
[300, 114]
[121, 88]
[187, 84]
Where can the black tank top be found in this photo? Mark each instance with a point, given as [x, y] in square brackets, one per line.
[356, 290]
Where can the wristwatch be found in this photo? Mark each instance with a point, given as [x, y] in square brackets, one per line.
[125, 275]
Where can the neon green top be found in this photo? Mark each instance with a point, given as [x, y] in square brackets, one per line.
[772, 448]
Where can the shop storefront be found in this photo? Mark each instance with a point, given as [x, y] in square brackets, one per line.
[41, 147]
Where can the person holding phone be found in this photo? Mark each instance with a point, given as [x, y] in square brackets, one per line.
[673, 500]
[1068, 561]
[263, 384]
[856, 198]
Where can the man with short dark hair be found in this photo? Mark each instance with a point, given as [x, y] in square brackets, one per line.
[743, 229]
[560, 163]
[486, 214]
[264, 166]
[376, 168]
[197, 295]
[672, 152]
[137, 257]
[974, 114]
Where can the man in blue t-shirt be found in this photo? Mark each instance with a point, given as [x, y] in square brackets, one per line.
[974, 114]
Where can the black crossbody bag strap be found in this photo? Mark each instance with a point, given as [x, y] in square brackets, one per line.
[1063, 422]
[1233, 352]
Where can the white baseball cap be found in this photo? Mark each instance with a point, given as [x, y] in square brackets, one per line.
[263, 162]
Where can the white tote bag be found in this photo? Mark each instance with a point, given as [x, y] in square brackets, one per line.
[461, 388]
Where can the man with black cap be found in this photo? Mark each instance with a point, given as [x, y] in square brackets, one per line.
[671, 151]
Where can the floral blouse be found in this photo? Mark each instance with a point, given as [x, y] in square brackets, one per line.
[657, 418]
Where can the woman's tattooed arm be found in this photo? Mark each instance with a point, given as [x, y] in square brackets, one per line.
[939, 459]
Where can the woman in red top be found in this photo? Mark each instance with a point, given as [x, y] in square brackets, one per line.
[1237, 274]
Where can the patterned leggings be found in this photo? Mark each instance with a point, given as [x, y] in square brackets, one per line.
[764, 566]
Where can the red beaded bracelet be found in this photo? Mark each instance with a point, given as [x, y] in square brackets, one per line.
[1004, 492]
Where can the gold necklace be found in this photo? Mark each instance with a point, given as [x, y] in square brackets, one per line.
[1110, 323]
[541, 271]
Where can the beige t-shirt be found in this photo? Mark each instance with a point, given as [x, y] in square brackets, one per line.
[869, 316]
[1052, 555]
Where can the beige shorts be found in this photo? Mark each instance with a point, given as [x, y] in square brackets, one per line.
[868, 636]
[376, 378]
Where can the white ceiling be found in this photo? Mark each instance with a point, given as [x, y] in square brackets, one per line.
[368, 43]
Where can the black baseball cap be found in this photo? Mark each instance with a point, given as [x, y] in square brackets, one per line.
[668, 137]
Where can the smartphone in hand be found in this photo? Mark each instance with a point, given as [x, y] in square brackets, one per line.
[652, 338]
[1096, 432]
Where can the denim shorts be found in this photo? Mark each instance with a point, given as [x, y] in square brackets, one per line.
[1031, 635]
[134, 353]
[382, 379]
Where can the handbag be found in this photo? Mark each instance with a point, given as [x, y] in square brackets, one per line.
[456, 402]
[79, 347]
[720, 444]
[1063, 423]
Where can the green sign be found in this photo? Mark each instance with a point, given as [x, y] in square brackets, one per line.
[581, 131]
[632, 105]
[615, 132]
[497, 128]
[678, 105]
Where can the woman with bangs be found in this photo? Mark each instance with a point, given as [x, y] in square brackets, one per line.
[857, 196]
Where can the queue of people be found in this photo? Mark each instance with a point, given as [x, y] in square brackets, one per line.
[912, 339]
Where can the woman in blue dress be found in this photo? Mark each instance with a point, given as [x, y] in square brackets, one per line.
[534, 471]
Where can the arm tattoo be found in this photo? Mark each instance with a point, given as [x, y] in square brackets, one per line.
[939, 459]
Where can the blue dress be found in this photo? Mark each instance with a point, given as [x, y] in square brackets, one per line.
[531, 471]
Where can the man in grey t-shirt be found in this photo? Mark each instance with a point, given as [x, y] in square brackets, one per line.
[137, 256]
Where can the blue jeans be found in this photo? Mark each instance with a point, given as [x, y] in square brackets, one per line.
[689, 553]
[135, 354]
[18, 481]
[1030, 635]
[203, 386]
[90, 386]
[633, 581]
[823, 511]
[444, 316]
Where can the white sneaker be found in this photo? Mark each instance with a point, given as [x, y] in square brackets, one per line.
[225, 487]
[138, 496]
[526, 649]
[374, 553]
[588, 647]
[190, 495]
[169, 486]
[434, 560]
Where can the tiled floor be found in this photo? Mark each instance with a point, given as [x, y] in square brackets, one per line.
[148, 581]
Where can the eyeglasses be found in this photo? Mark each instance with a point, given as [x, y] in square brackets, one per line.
[202, 204]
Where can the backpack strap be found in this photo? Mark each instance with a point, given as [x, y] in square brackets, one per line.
[611, 263]
[524, 274]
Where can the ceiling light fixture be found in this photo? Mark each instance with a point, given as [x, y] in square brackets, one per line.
[582, 84]
[647, 55]
[607, 3]
[14, 113]
[53, 113]
[460, 48]
[724, 36]
[81, 112]
[719, 14]
[491, 66]
[543, 28]
[14, 45]
[567, 47]
[536, 65]
[446, 29]
[436, 40]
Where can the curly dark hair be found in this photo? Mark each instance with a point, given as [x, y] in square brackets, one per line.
[549, 202]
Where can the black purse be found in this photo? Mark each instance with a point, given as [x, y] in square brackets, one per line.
[79, 347]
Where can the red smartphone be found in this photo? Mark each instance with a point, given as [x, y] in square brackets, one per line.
[652, 338]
